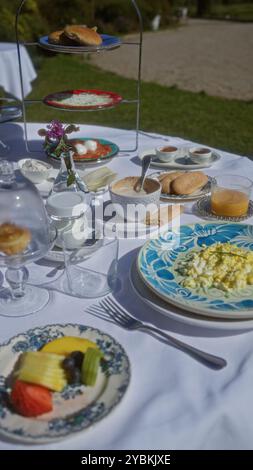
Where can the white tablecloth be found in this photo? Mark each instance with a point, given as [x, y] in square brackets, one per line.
[9, 71]
[173, 401]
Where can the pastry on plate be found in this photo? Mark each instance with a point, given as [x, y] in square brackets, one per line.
[13, 238]
[54, 37]
[82, 35]
[59, 38]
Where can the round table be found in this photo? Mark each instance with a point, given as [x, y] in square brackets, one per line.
[173, 402]
[9, 76]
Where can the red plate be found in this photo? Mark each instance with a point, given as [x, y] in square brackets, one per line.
[108, 99]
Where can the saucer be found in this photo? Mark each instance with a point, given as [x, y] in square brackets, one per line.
[182, 161]
[203, 208]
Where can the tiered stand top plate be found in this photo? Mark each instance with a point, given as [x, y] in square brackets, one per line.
[108, 43]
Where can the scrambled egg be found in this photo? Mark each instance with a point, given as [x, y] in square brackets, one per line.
[222, 265]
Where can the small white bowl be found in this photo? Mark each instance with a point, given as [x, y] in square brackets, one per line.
[166, 153]
[35, 176]
[125, 203]
[200, 154]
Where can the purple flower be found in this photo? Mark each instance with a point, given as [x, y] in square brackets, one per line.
[55, 130]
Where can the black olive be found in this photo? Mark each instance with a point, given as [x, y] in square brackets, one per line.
[77, 356]
[68, 363]
[74, 376]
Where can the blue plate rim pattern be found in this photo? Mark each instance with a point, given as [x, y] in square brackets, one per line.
[115, 150]
[118, 380]
[167, 287]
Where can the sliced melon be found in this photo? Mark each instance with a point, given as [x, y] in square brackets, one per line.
[68, 344]
[43, 369]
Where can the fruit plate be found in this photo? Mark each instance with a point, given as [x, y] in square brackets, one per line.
[185, 197]
[106, 150]
[82, 99]
[76, 408]
[109, 42]
[158, 258]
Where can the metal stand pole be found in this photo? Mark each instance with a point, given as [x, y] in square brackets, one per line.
[138, 91]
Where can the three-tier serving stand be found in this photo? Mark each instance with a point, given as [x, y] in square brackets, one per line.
[81, 50]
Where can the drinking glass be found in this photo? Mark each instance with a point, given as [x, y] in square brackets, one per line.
[91, 270]
[230, 195]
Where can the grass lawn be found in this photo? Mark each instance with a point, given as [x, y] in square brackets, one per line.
[240, 11]
[225, 124]
[237, 11]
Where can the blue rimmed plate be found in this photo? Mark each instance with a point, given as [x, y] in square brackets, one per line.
[111, 150]
[108, 43]
[75, 408]
[158, 258]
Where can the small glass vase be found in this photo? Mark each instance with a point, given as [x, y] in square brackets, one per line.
[68, 178]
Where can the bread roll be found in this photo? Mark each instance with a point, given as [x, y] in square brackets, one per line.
[167, 179]
[162, 176]
[59, 38]
[54, 38]
[82, 35]
[188, 183]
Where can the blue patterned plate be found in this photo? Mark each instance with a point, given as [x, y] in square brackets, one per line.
[76, 407]
[158, 258]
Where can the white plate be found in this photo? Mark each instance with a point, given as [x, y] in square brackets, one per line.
[171, 312]
[76, 408]
[181, 162]
[185, 197]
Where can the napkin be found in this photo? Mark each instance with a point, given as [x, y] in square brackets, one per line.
[98, 179]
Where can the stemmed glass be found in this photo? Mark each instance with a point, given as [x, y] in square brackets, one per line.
[22, 214]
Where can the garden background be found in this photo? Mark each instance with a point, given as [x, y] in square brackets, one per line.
[213, 120]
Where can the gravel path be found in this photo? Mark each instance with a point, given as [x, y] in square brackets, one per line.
[211, 56]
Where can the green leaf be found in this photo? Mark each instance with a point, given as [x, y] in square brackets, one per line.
[71, 179]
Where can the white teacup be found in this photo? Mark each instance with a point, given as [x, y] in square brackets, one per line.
[166, 153]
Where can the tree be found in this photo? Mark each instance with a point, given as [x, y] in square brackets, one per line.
[203, 7]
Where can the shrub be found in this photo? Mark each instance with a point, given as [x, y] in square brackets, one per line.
[111, 16]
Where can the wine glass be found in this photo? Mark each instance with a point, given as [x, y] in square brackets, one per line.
[25, 236]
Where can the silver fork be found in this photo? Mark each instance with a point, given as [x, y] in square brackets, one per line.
[122, 318]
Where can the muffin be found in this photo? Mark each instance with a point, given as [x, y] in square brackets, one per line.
[13, 239]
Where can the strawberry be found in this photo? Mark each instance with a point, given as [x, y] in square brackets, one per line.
[31, 400]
